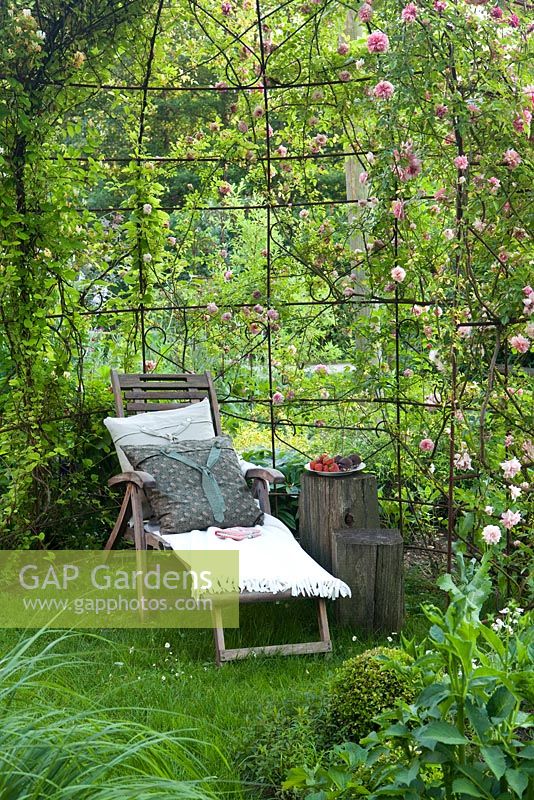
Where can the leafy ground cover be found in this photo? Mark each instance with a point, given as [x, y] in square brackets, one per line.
[167, 682]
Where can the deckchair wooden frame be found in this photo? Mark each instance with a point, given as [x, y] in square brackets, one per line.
[142, 392]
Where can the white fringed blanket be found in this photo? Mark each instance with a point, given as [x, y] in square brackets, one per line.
[273, 562]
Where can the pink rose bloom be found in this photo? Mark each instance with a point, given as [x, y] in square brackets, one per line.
[377, 42]
[520, 343]
[494, 183]
[426, 445]
[272, 314]
[228, 275]
[528, 449]
[508, 440]
[363, 177]
[496, 12]
[440, 6]
[397, 209]
[441, 110]
[511, 158]
[278, 398]
[461, 162]
[343, 48]
[147, 208]
[290, 395]
[348, 291]
[514, 21]
[510, 468]
[463, 461]
[321, 369]
[408, 373]
[409, 13]
[212, 308]
[254, 328]
[258, 112]
[282, 150]
[510, 518]
[150, 365]
[227, 316]
[440, 194]
[515, 491]
[448, 233]
[304, 214]
[344, 76]
[321, 139]
[258, 308]
[383, 90]
[242, 126]
[226, 7]
[365, 13]
[225, 188]
[438, 312]
[417, 310]
[491, 534]
[398, 274]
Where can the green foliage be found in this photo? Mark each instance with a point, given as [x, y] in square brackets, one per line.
[467, 733]
[282, 736]
[363, 687]
[75, 751]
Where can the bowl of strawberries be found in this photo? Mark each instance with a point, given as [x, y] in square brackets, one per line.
[335, 465]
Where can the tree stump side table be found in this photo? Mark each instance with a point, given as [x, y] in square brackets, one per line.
[371, 562]
[328, 504]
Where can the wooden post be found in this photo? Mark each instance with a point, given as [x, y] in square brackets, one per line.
[371, 563]
[327, 504]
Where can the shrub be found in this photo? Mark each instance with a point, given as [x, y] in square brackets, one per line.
[363, 687]
[290, 734]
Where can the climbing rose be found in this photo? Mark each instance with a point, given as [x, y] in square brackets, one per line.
[226, 7]
[496, 12]
[278, 398]
[511, 158]
[409, 13]
[225, 188]
[343, 48]
[273, 314]
[520, 343]
[510, 468]
[398, 274]
[242, 126]
[426, 445]
[440, 5]
[461, 162]
[397, 209]
[365, 13]
[212, 308]
[491, 534]
[378, 42]
[463, 460]
[510, 518]
[344, 76]
[321, 369]
[150, 365]
[147, 208]
[383, 90]
[227, 316]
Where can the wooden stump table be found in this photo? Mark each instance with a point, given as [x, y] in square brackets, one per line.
[340, 528]
[330, 503]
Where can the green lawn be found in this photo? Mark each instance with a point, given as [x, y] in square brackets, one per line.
[139, 677]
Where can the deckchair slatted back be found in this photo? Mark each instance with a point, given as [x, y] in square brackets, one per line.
[142, 392]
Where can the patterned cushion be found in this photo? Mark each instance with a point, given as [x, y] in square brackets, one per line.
[198, 484]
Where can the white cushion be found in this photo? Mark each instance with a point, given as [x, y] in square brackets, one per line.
[192, 422]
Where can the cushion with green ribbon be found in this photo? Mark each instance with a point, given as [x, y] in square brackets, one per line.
[198, 484]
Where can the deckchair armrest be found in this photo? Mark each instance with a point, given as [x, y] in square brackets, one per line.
[266, 474]
[141, 479]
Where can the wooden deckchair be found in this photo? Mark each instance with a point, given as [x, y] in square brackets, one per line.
[140, 393]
